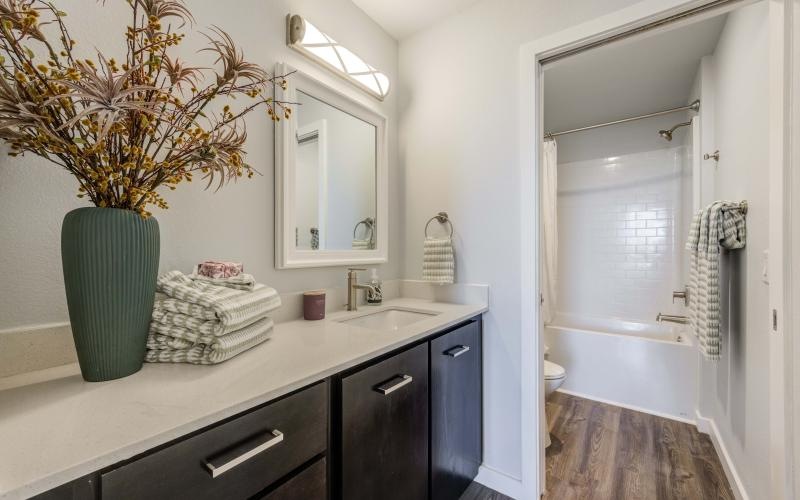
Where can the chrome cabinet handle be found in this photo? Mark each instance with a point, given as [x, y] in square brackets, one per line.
[457, 351]
[389, 386]
[227, 461]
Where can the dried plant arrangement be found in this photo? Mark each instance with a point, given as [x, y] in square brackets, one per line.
[125, 128]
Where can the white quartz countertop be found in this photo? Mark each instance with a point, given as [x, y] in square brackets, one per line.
[59, 430]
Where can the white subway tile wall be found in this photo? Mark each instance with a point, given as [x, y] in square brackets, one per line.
[620, 223]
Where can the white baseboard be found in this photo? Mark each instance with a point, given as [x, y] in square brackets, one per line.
[629, 407]
[499, 481]
[707, 426]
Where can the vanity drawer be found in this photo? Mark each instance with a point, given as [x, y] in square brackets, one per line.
[310, 484]
[236, 459]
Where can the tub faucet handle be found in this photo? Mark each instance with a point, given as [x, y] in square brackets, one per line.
[684, 295]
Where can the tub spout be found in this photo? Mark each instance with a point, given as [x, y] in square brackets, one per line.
[672, 319]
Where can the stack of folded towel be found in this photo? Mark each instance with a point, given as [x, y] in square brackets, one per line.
[438, 263]
[204, 320]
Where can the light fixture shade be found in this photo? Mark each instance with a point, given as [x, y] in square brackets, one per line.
[309, 40]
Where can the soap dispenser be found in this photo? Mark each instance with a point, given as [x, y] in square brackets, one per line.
[375, 297]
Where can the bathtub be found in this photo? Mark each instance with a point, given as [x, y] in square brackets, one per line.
[649, 367]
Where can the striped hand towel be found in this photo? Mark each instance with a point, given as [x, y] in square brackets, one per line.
[193, 309]
[438, 263]
[720, 225]
[168, 349]
[241, 281]
[362, 245]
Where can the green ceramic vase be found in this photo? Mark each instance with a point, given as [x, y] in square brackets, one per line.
[110, 261]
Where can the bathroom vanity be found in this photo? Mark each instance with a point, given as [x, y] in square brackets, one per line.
[384, 402]
[381, 403]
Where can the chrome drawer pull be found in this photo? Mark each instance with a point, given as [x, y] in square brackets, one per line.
[457, 351]
[217, 469]
[387, 388]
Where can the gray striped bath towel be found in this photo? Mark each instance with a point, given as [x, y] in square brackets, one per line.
[438, 261]
[719, 225]
[193, 309]
[206, 351]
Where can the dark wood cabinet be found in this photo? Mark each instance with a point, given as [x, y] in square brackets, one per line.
[79, 489]
[456, 409]
[403, 426]
[236, 459]
[384, 429]
[310, 484]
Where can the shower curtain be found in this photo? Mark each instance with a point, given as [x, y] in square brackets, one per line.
[549, 218]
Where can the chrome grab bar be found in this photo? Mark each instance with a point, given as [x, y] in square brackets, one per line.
[223, 463]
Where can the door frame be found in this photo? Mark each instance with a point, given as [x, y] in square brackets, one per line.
[784, 85]
[320, 129]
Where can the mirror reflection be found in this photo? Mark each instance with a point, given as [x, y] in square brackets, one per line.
[335, 178]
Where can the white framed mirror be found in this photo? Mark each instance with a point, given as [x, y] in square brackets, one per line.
[331, 185]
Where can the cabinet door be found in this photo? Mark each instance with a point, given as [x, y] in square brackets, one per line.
[385, 429]
[455, 410]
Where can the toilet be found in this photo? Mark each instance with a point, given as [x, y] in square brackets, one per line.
[554, 376]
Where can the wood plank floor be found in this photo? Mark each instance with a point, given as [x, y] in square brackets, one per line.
[603, 452]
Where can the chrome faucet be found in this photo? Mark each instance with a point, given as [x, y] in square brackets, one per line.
[353, 286]
[672, 319]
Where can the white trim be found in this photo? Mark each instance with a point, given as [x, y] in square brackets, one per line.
[629, 407]
[791, 317]
[779, 130]
[530, 130]
[707, 426]
[287, 256]
[499, 481]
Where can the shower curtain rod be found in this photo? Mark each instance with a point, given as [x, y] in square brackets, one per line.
[695, 106]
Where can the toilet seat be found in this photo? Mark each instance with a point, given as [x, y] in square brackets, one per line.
[553, 371]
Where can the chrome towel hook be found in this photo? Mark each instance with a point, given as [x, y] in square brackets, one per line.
[713, 156]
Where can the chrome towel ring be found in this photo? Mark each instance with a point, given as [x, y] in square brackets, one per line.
[369, 222]
[442, 218]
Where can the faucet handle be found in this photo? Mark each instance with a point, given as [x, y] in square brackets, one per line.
[683, 295]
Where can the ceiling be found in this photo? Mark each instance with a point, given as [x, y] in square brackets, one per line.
[403, 19]
[627, 78]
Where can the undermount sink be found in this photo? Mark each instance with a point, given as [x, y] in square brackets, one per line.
[389, 319]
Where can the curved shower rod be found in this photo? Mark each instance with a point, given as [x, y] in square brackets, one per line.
[695, 106]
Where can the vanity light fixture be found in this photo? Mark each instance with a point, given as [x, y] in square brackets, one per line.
[307, 39]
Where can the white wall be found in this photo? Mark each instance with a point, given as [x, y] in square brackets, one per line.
[734, 391]
[458, 142]
[620, 234]
[237, 222]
